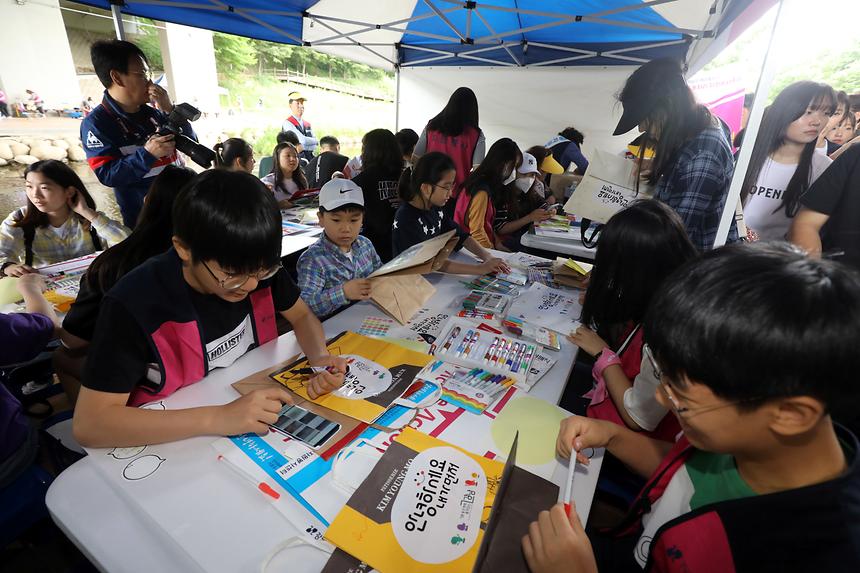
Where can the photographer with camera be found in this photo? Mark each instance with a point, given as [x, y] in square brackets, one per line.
[128, 142]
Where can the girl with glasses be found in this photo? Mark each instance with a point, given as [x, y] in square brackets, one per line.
[424, 192]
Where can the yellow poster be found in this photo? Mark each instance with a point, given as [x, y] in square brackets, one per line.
[423, 508]
[379, 372]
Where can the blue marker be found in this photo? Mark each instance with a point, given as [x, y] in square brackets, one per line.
[463, 343]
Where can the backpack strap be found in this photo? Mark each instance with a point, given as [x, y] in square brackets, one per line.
[29, 235]
[94, 236]
[589, 241]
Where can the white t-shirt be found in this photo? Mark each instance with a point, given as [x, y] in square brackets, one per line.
[283, 191]
[762, 211]
[640, 399]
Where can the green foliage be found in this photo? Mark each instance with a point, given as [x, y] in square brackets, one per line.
[233, 54]
[840, 70]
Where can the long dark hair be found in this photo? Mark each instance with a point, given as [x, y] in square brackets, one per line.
[639, 247]
[62, 175]
[380, 151]
[790, 104]
[673, 112]
[429, 169]
[298, 176]
[490, 171]
[151, 236]
[230, 150]
[460, 111]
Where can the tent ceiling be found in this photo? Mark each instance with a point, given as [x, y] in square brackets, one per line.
[385, 33]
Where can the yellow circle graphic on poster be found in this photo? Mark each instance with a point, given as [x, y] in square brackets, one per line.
[365, 379]
[436, 516]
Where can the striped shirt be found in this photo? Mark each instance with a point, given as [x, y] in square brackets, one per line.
[323, 269]
[56, 244]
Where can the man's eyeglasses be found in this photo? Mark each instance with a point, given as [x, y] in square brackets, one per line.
[145, 75]
[235, 282]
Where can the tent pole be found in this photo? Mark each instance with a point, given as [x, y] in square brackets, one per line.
[397, 98]
[768, 71]
[116, 12]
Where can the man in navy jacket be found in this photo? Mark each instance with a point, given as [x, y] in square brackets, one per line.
[119, 135]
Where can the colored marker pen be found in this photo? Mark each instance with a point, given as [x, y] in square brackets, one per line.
[491, 349]
[514, 350]
[528, 356]
[471, 345]
[464, 342]
[454, 332]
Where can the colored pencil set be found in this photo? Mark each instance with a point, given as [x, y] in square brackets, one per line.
[493, 284]
[487, 302]
[495, 353]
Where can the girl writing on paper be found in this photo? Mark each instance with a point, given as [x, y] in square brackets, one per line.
[286, 177]
[475, 210]
[58, 223]
[639, 247]
[783, 163]
[424, 191]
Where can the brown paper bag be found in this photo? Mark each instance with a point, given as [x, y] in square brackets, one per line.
[401, 296]
[420, 259]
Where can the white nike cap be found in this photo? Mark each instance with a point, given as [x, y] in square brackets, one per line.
[529, 164]
[339, 192]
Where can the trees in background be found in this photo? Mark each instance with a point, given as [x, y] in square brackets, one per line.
[236, 55]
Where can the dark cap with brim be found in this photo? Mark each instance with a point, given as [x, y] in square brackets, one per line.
[644, 89]
[635, 113]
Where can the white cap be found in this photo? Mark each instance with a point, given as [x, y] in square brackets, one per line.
[529, 164]
[339, 192]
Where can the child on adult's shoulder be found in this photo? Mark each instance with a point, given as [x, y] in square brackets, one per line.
[424, 191]
[334, 270]
[639, 248]
[763, 479]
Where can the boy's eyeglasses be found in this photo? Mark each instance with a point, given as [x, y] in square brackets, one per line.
[680, 410]
[235, 282]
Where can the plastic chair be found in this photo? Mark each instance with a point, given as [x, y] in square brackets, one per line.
[265, 166]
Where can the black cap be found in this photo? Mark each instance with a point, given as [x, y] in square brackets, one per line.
[645, 88]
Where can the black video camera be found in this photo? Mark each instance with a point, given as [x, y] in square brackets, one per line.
[199, 154]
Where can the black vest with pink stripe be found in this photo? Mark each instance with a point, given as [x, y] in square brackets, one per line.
[156, 295]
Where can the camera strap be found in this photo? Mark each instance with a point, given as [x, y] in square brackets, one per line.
[129, 129]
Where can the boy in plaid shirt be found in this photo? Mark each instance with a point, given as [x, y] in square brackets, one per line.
[333, 271]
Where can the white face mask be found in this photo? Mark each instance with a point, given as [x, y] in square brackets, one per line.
[510, 177]
[524, 183]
